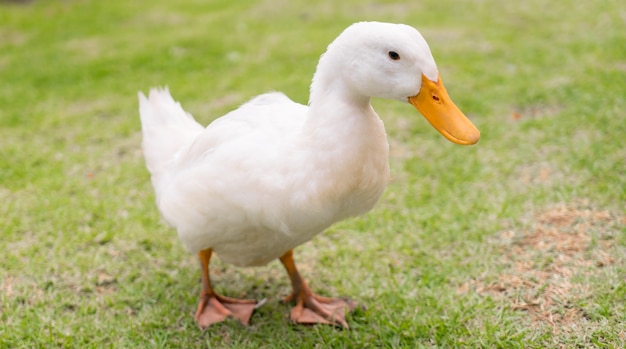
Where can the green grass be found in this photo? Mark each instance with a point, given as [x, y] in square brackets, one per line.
[88, 263]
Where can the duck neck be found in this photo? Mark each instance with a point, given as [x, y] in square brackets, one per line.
[332, 98]
[342, 119]
[348, 146]
[336, 109]
[334, 112]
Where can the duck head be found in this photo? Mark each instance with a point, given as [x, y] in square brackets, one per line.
[373, 59]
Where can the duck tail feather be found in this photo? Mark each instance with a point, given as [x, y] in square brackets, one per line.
[166, 128]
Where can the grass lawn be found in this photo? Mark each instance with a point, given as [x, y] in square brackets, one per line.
[518, 241]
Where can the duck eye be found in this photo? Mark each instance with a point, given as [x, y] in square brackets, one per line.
[394, 55]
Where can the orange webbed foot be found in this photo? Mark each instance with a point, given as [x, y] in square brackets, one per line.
[213, 308]
[312, 309]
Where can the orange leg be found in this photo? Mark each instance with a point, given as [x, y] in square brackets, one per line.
[214, 308]
[311, 308]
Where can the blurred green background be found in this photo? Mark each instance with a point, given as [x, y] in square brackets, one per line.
[518, 241]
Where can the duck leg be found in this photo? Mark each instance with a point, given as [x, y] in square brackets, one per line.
[311, 308]
[214, 308]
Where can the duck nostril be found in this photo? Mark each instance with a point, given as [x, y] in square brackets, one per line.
[435, 98]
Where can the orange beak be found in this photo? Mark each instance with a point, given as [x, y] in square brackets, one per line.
[437, 107]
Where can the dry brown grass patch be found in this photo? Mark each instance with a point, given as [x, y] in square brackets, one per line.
[547, 267]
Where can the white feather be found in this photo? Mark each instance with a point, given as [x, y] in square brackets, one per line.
[272, 174]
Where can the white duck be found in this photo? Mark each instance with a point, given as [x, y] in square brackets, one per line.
[273, 173]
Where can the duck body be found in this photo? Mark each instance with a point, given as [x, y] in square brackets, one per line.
[270, 175]
[267, 176]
